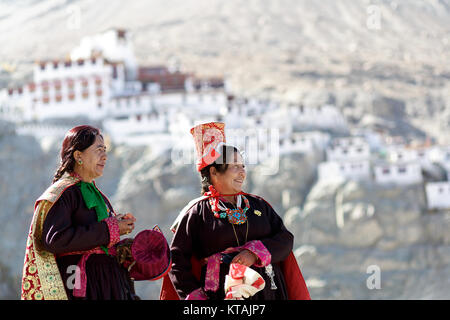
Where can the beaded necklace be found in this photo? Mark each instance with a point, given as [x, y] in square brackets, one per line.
[235, 216]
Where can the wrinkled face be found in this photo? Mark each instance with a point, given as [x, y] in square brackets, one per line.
[93, 158]
[231, 181]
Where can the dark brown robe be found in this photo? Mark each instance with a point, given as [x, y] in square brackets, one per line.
[70, 226]
[201, 235]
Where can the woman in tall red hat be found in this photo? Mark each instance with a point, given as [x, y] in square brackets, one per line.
[229, 244]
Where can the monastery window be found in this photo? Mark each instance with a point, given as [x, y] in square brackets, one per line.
[71, 96]
[138, 117]
[359, 150]
[99, 104]
[386, 171]
[344, 151]
[86, 94]
[441, 190]
[42, 66]
[80, 62]
[402, 170]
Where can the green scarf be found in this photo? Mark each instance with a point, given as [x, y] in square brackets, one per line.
[94, 199]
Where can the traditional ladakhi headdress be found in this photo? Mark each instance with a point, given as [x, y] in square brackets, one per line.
[209, 139]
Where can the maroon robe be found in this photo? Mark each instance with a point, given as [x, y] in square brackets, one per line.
[70, 226]
[200, 235]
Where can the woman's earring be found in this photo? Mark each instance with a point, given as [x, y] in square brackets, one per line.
[80, 162]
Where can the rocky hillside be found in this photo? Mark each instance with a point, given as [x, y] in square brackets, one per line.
[345, 228]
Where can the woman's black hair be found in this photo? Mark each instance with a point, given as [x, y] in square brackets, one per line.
[221, 165]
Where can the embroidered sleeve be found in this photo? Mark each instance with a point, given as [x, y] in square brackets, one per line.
[113, 228]
[258, 248]
[197, 294]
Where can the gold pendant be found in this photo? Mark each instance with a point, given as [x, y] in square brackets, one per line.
[258, 213]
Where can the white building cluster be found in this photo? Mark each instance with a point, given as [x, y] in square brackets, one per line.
[103, 82]
[346, 158]
[157, 105]
[352, 158]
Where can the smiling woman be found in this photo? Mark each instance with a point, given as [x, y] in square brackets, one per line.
[228, 237]
[70, 247]
[228, 175]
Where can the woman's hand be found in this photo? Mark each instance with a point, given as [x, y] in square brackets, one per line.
[245, 257]
[126, 223]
